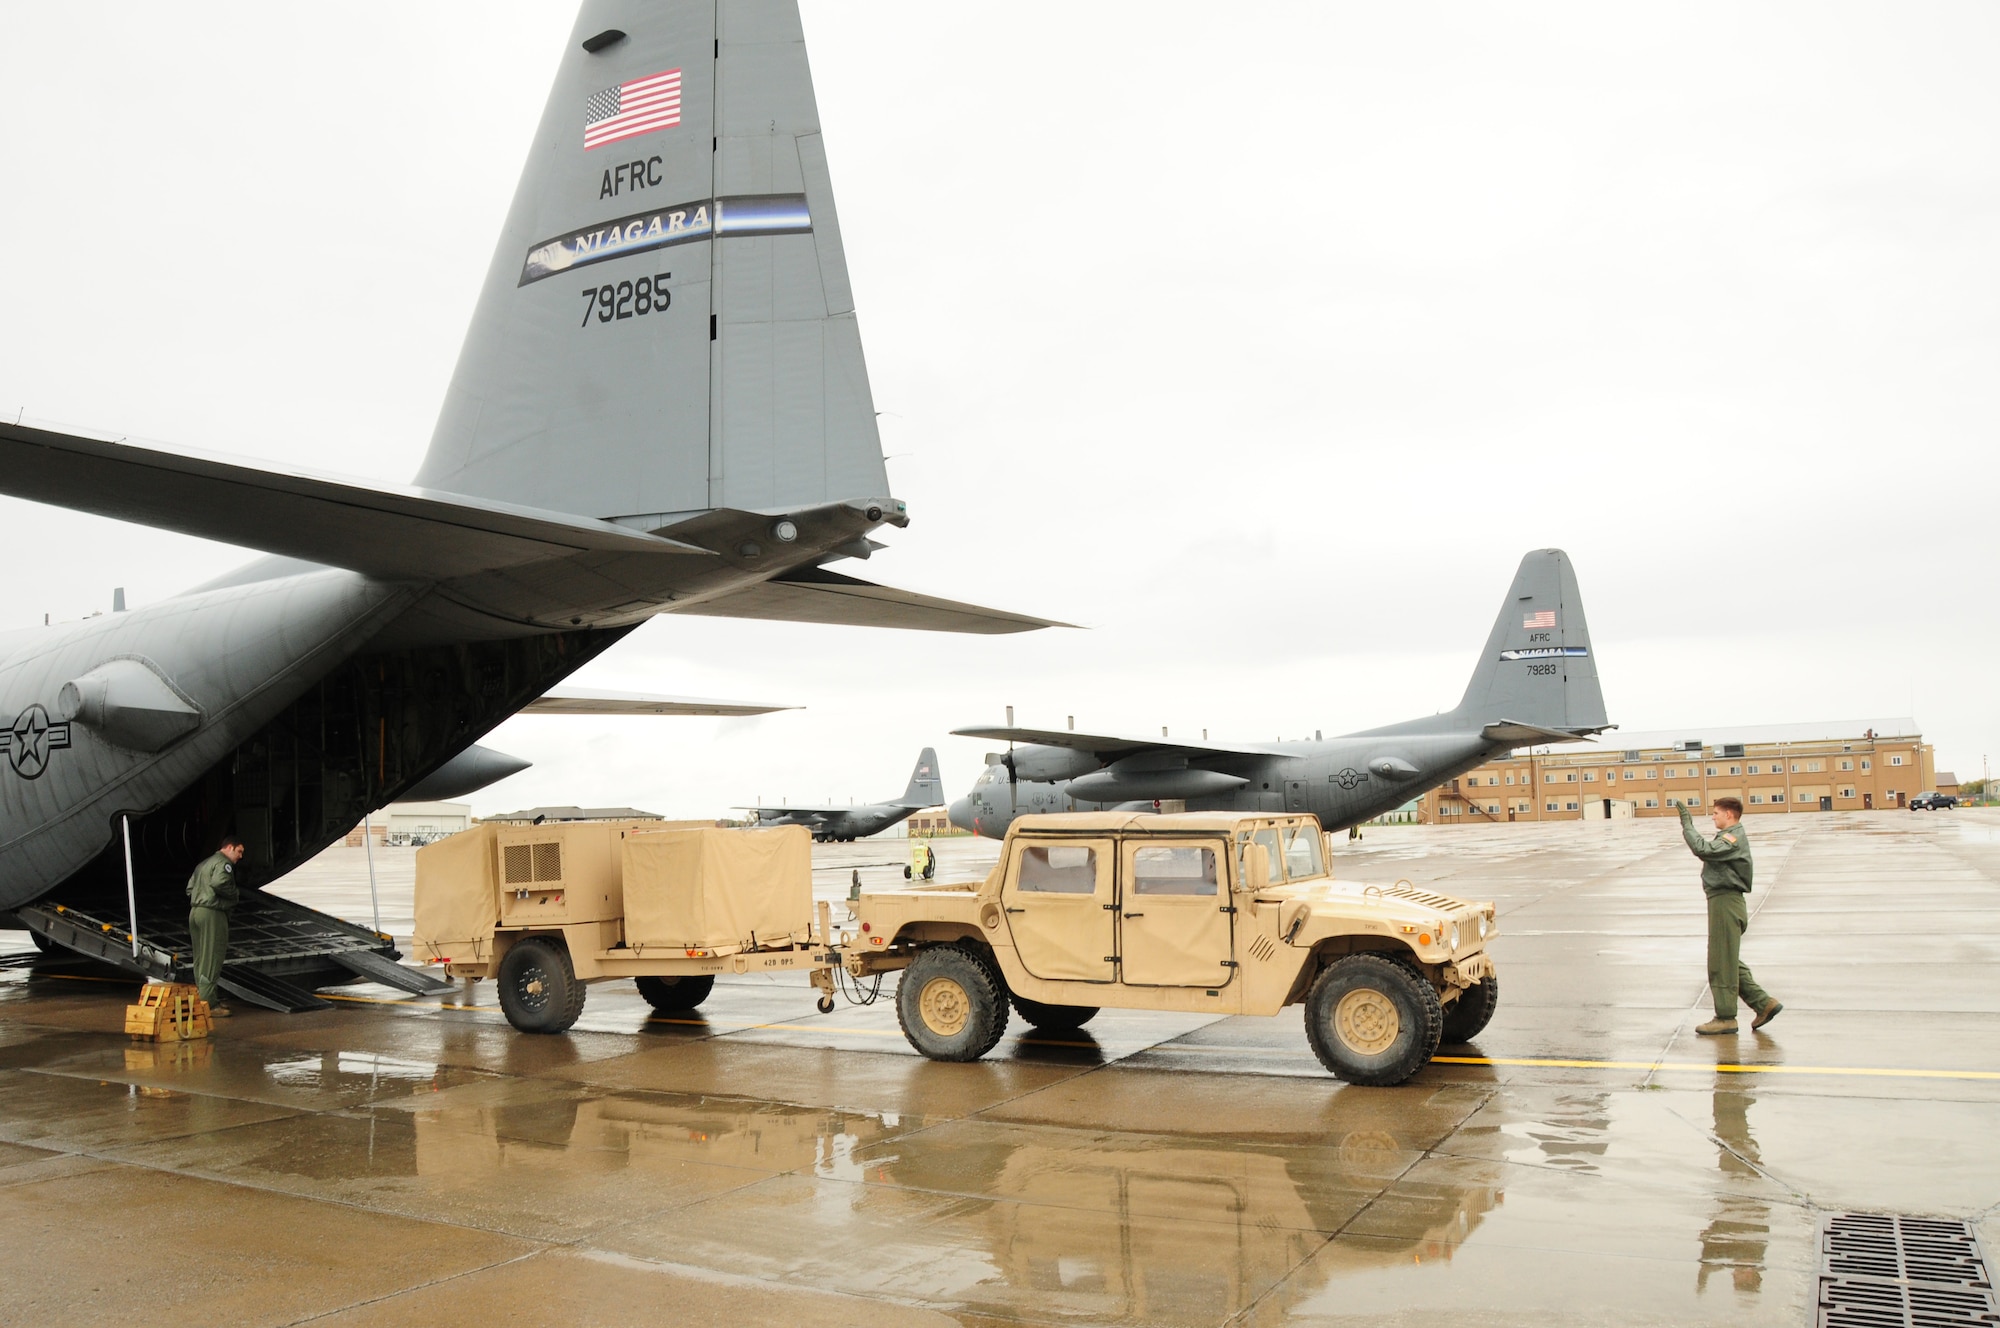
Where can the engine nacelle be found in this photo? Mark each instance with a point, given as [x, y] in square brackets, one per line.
[1047, 765]
[1116, 785]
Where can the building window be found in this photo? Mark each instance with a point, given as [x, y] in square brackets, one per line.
[1652, 774]
[1847, 793]
[1795, 767]
[1690, 772]
[1611, 776]
[1569, 806]
[1549, 778]
[1553, 807]
[1590, 776]
[1671, 773]
[1846, 763]
[1570, 778]
[1895, 760]
[1492, 809]
[1756, 799]
[1756, 770]
[1734, 770]
[1865, 764]
[1510, 778]
[1712, 772]
[1802, 797]
[1814, 767]
[1652, 802]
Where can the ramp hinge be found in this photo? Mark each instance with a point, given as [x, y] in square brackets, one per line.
[1229, 908]
[1230, 963]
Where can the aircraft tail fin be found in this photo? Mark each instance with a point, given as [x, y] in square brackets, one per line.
[667, 325]
[926, 785]
[1537, 672]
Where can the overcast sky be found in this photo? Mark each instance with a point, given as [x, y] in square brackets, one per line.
[1262, 341]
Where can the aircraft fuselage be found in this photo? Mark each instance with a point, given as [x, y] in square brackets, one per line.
[1343, 781]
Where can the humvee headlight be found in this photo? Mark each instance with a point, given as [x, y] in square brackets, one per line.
[1482, 926]
[1454, 935]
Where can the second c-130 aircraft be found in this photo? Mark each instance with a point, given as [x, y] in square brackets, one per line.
[845, 824]
[1536, 682]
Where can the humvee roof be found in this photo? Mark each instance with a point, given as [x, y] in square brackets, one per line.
[1144, 823]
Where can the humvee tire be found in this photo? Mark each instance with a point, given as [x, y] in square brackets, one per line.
[1473, 1010]
[1053, 1018]
[539, 992]
[951, 1004]
[1373, 1021]
[675, 995]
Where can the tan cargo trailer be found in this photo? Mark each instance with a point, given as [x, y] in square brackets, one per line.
[548, 909]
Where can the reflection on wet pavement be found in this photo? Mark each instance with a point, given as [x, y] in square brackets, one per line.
[398, 1160]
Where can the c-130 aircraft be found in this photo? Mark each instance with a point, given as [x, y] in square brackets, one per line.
[1536, 682]
[700, 438]
[846, 824]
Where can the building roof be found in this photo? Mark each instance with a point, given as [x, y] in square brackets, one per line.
[1831, 730]
[532, 814]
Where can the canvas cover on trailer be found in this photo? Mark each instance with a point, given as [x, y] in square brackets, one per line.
[718, 890]
[455, 898]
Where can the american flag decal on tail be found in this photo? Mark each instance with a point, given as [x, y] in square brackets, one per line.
[631, 109]
[1545, 618]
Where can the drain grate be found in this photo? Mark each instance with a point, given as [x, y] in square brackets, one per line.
[1884, 1270]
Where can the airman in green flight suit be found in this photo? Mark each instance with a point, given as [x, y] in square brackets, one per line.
[211, 894]
[1725, 878]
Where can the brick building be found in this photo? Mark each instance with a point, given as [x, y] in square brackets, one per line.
[1773, 769]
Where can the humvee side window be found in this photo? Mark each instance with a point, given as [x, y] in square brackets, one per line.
[1059, 870]
[1173, 871]
[1302, 852]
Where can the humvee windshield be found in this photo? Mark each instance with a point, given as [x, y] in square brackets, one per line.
[1303, 856]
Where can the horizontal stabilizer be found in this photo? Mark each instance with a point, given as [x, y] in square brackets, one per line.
[813, 594]
[590, 701]
[381, 530]
[1507, 730]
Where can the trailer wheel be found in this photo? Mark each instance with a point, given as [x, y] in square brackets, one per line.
[951, 1004]
[675, 995]
[1473, 1010]
[1054, 1018]
[539, 991]
[1372, 1021]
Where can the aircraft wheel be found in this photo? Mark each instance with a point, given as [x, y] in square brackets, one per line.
[951, 1004]
[539, 990]
[675, 995]
[1054, 1018]
[826, 1005]
[1372, 1021]
[1473, 1010]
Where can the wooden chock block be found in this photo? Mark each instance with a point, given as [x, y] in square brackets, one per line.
[168, 1012]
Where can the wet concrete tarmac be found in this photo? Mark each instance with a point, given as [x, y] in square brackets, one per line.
[1589, 1160]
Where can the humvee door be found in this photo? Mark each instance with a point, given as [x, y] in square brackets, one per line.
[1060, 908]
[1174, 915]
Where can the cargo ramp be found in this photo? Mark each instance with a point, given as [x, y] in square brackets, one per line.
[279, 951]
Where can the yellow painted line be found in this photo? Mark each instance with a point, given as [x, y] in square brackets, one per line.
[1876, 1072]
[1529, 1062]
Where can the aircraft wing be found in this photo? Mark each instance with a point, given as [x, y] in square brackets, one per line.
[813, 594]
[590, 701]
[1109, 747]
[381, 530]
